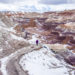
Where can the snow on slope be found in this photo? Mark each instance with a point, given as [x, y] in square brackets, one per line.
[33, 40]
[2, 24]
[42, 62]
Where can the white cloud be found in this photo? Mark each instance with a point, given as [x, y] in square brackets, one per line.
[17, 4]
[8, 7]
[35, 5]
[62, 7]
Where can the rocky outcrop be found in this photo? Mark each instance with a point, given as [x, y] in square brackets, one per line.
[6, 20]
[9, 42]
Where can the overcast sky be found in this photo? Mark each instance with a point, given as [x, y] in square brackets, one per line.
[52, 4]
[40, 1]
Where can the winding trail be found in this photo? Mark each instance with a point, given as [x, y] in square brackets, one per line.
[8, 62]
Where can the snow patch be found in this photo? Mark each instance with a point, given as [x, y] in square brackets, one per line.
[33, 40]
[3, 65]
[1, 49]
[16, 37]
[42, 62]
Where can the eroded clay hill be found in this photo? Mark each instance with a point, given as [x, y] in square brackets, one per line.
[19, 55]
[52, 28]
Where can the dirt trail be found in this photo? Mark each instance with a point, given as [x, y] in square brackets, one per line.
[12, 66]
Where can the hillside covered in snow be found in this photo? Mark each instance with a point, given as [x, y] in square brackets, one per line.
[55, 52]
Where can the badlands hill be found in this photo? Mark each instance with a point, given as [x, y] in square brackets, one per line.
[55, 54]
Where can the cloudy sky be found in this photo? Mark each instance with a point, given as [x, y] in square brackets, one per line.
[36, 5]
